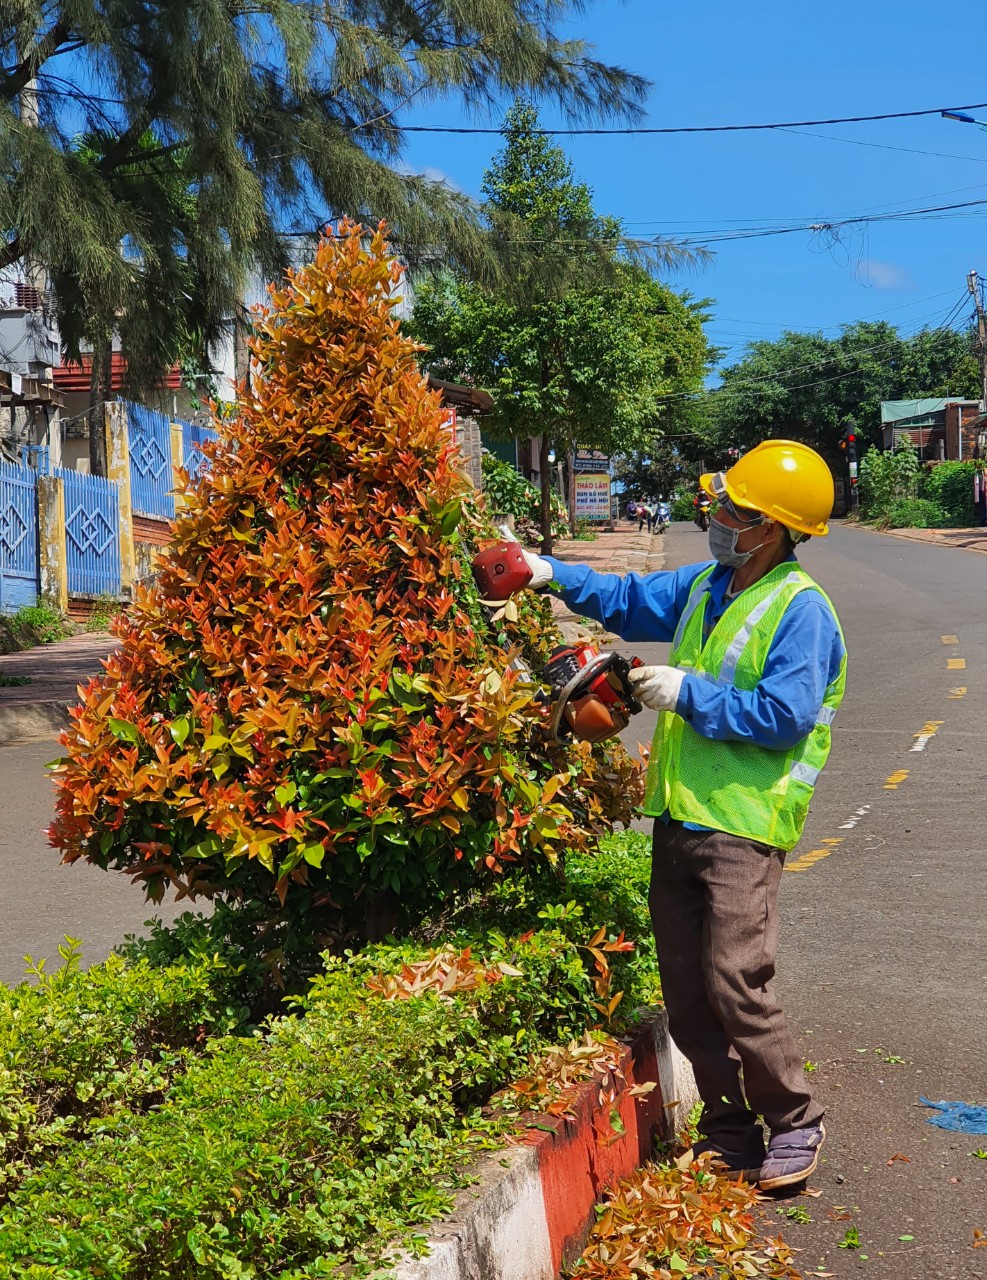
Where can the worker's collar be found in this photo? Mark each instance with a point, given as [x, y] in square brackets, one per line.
[719, 580]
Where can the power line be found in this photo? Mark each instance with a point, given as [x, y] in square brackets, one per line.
[631, 131]
[752, 384]
[886, 146]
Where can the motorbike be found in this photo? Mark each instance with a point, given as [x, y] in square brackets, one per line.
[702, 516]
[662, 519]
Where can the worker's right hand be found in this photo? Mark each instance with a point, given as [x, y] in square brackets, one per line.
[541, 571]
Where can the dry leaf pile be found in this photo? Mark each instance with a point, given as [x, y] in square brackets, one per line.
[665, 1224]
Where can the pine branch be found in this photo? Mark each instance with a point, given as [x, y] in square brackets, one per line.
[22, 75]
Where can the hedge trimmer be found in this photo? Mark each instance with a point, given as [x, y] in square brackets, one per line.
[590, 694]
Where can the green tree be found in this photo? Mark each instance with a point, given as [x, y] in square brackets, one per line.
[804, 386]
[276, 114]
[577, 343]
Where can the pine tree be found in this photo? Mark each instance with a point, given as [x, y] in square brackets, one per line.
[275, 114]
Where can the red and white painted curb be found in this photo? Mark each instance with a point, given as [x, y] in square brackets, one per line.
[531, 1207]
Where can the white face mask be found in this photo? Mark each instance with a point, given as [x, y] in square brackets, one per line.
[723, 546]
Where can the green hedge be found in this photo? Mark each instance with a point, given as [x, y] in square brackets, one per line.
[607, 887]
[78, 1046]
[299, 1150]
[949, 486]
[507, 492]
[146, 1137]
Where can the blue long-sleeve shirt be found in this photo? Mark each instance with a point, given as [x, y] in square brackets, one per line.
[804, 657]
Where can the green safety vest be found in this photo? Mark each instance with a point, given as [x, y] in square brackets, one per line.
[739, 787]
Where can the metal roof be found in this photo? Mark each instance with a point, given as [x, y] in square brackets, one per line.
[921, 409]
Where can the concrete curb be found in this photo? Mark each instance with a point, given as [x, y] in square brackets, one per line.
[921, 535]
[34, 720]
[531, 1206]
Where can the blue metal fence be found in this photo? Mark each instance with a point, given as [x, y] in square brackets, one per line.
[92, 534]
[151, 476]
[18, 537]
[193, 438]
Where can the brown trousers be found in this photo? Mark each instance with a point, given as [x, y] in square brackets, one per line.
[714, 906]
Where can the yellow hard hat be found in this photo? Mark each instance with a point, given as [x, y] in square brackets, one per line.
[782, 479]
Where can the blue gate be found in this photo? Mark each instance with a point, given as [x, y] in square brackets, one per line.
[193, 438]
[92, 534]
[18, 537]
[151, 477]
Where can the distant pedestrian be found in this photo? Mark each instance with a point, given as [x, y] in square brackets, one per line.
[643, 516]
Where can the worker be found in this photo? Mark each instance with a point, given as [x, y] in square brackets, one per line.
[746, 702]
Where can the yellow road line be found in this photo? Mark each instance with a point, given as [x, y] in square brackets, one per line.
[958, 693]
[950, 639]
[895, 779]
[956, 664]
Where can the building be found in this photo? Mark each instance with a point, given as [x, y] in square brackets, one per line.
[942, 429]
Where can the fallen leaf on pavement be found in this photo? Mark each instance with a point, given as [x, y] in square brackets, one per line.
[898, 1156]
[811, 1191]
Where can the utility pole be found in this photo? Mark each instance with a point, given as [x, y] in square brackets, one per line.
[976, 292]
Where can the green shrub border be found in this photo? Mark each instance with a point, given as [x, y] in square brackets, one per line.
[309, 1144]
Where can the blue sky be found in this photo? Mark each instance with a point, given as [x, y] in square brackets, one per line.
[723, 63]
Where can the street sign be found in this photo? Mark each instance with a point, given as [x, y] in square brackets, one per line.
[592, 498]
[590, 462]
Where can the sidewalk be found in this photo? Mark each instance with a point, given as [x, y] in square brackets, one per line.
[623, 551]
[967, 539]
[40, 709]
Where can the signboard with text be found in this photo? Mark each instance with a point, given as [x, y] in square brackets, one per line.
[592, 499]
[590, 462]
[451, 424]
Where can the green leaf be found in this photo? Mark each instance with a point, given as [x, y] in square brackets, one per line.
[123, 730]
[313, 854]
[180, 730]
[285, 793]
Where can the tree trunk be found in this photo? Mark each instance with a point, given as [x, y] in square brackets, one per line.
[99, 383]
[545, 475]
[571, 495]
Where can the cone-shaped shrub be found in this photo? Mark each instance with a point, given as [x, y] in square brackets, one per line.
[306, 707]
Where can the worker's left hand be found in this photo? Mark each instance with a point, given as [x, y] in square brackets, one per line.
[657, 687]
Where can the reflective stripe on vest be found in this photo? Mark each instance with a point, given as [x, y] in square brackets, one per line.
[739, 787]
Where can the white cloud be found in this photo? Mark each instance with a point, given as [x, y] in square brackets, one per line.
[883, 275]
[430, 172]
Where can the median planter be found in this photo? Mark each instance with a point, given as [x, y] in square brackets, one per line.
[529, 1210]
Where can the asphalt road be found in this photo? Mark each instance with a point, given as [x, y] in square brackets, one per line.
[41, 901]
[883, 964]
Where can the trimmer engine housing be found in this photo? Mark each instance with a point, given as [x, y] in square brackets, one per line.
[591, 693]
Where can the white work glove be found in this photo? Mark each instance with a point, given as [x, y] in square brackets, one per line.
[657, 687]
[541, 571]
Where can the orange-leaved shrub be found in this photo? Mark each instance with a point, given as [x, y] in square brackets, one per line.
[308, 707]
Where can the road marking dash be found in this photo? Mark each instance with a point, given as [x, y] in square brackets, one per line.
[958, 693]
[926, 734]
[895, 779]
[950, 639]
[956, 664]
